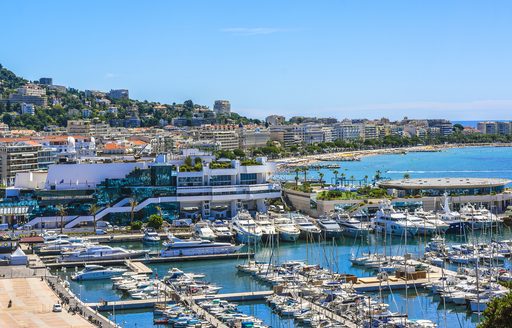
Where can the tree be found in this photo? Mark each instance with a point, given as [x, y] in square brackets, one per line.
[7, 119]
[498, 313]
[365, 179]
[133, 204]
[188, 161]
[239, 153]
[155, 221]
[407, 176]
[297, 170]
[136, 225]
[94, 208]
[321, 175]
[62, 212]
[335, 172]
[305, 170]
[458, 127]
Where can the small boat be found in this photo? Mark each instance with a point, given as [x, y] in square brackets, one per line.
[100, 252]
[222, 231]
[203, 231]
[287, 230]
[306, 226]
[247, 231]
[351, 226]
[96, 272]
[329, 227]
[266, 226]
[150, 237]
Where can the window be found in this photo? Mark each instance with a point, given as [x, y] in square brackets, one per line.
[190, 181]
[248, 178]
[220, 180]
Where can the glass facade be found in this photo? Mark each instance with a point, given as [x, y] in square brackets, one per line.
[454, 191]
[220, 180]
[248, 178]
[190, 182]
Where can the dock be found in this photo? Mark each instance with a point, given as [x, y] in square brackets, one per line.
[327, 313]
[150, 302]
[153, 260]
[137, 267]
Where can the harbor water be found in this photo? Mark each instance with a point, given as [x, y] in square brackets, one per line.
[335, 255]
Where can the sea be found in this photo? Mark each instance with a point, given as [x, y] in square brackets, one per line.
[420, 304]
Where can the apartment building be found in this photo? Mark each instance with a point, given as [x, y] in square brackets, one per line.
[227, 139]
[17, 157]
[222, 107]
[275, 120]
[119, 94]
[29, 94]
[253, 138]
[346, 131]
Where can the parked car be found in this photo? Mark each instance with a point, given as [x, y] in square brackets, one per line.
[100, 232]
[57, 307]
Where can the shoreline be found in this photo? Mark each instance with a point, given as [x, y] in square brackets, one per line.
[356, 155]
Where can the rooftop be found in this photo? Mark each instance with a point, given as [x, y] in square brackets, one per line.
[443, 183]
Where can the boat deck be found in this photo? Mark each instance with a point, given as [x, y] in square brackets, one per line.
[138, 267]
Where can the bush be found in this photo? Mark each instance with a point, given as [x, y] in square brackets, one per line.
[249, 162]
[220, 165]
[136, 225]
[155, 221]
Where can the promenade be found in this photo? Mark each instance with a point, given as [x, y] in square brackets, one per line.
[32, 304]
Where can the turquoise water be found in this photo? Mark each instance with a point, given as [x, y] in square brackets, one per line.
[464, 162]
[470, 162]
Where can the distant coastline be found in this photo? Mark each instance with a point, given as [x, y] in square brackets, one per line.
[350, 155]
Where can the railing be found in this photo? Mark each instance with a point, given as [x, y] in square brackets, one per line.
[73, 303]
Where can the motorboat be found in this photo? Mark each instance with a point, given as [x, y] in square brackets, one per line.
[203, 231]
[389, 221]
[247, 231]
[181, 247]
[424, 227]
[287, 230]
[306, 226]
[329, 227]
[266, 225]
[96, 272]
[432, 219]
[478, 218]
[100, 252]
[151, 237]
[351, 226]
[221, 230]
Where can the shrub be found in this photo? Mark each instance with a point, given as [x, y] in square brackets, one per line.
[136, 225]
[155, 221]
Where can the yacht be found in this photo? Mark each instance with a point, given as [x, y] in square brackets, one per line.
[100, 252]
[389, 221]
[351, 226]
[306, 226]
[455, 222]
[221, 230]
[478, 218]
[424, 227]
[151, 237]
[266, 225]
[204, 231]
[329, 227]
[287, 230]
[431, 217]
[247, 231]
[191, 247]
[95, 272]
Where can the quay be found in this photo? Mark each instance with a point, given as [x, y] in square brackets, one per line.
[32, 305]
[153, 260]
[327, 313]
[150, 302]
[137, 267]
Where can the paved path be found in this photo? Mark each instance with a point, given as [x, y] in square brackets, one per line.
[32, 303]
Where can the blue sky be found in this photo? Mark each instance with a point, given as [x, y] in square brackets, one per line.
[450, 59]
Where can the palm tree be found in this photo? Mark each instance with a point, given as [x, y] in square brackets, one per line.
[365, 179]
[297, 170]
[133, 204]
[335, 172]
[378, 175]
[352, 178]
[407, 176]
[62, 212]
[321, 175]
[343, 179]
[305, 170]
[92, 211]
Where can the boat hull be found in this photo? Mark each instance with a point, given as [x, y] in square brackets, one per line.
[200, 251]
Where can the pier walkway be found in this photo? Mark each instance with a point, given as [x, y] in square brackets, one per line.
[150, 302]
[326, 312]
[138, 267]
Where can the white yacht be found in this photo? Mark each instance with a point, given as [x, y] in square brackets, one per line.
[351, 226]
[287, 230]
[151, 237]
[247, 231]
[204, 231]
[431, 218]
[95, 272]
[100, 252]
[424, 227]
[478, 218]
[390, 221]
[452, 218]
[329, 227]
[191, 247]
[306, 226]
[221, 230]
[266, 225]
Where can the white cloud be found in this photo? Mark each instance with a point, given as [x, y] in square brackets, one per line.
[110, 75]
[247, 31]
